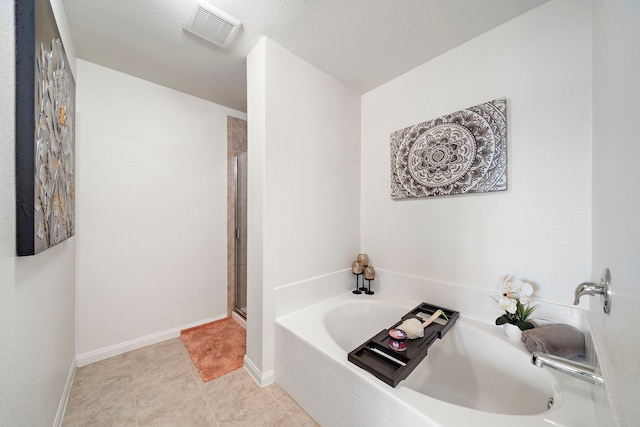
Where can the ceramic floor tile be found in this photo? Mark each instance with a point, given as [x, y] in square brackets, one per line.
[158, 373]
[176, 385]
[276, 391]
[273, 415]
[176, 401]
[194, 370]
[296, 412]
[101, 403]
[103, 419]
[242, 407]
[157, 354]
[229, 388]
[159, 386]
[100, 372]
[172, 349]
[183, 410]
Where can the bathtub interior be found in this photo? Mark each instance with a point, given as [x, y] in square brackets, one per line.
[467, 367]
[351, 324]
[472, 369]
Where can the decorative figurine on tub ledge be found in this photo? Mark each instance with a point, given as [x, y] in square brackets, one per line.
[361, 267]
[363, 259]
[357, 269]
[369, 275]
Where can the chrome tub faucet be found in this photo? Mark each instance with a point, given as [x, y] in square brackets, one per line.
[575, 369]
[603, 289]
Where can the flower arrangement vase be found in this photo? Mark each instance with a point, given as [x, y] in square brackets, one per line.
[512, 332]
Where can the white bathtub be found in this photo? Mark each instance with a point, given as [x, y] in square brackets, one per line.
[474, 376]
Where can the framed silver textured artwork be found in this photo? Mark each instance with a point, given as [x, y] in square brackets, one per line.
[45, 115]
[461, 152]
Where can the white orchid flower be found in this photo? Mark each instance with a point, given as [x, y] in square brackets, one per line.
[523, 288]
[508, 304]
[508, 284]
[515, 297]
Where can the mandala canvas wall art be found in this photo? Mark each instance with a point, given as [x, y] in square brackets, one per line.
[45, 116]
[461, 152]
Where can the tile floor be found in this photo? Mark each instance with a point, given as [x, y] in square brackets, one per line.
[158, 385]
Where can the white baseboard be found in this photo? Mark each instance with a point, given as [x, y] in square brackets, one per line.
[239, 320]
[62, 405]
[263, 379]
[134, 344]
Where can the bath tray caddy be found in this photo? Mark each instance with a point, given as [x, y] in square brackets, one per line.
[375, 356]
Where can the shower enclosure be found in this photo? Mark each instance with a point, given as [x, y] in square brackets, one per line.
[240, 219]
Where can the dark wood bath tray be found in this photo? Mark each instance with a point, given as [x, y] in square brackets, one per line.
[370, 356]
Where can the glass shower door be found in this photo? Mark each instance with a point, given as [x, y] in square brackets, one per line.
[240, 179]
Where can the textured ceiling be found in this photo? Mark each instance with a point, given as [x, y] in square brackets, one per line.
[363, 43]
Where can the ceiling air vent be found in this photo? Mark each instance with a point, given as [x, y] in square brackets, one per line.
[213, 25]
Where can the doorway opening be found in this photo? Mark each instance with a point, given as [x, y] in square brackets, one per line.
[237, 217]
[240, 258]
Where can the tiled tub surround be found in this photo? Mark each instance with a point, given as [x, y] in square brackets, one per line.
[312, 367]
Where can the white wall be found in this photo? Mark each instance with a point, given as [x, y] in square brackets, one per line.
[539, 229]
[616, 203]
[37, 292]
[151, 210]
[256, 112]
[304, 171]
